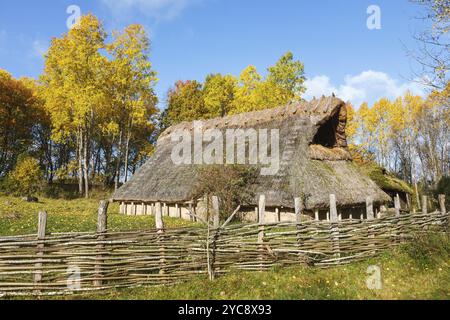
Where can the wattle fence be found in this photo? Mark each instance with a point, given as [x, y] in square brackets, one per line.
[68, 263]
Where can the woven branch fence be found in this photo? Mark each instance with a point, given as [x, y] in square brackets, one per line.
[68, 263]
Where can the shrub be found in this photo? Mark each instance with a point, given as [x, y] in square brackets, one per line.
[428, 250]
[27, 178]
[443, 186]
[231, 183]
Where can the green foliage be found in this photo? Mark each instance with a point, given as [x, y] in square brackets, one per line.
[443, 186]
[427, 250]
[27, 178]
[221, 95]
[233, 184]
[289, 75]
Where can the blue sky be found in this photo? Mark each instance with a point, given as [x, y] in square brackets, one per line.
[191, 38]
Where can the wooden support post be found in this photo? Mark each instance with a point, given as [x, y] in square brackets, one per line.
[216, 212]
[102, 226]
[316, 215]
[397, 205]
[178, 210]
[277, 215]
[261, 221]
[442, 204]
[424, 205]
[42, 226]
[369, 208]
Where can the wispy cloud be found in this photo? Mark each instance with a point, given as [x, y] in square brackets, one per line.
[39, 48]
[158, 9]
[368, 86]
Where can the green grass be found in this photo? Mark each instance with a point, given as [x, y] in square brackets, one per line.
[406, 274]
[18, 217]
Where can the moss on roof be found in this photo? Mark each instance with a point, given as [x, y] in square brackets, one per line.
[386, 181]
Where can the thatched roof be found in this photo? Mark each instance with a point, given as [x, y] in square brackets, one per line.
[384, 180]
[314, 160]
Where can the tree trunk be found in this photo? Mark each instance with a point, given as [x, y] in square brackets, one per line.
[119, 161]
[80, 161]
[86, 165]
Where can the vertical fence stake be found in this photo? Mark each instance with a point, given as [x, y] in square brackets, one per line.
[298, 216]
[369, 208]
[442, 204]
[216, 225]
[424, 205]
[334, 229]
[160, 230]
[216, 212]
[397, 205]
[42, 226]
[102, 226]
[417, 195]
[261, 221]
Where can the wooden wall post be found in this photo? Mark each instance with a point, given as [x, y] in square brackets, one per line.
[216, 212]
[442, 204]
[397, 205]
[42, 226]
[369, 208]
[424, 205]
[102, 227]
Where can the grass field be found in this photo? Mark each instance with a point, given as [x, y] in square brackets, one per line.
[419, 270]
[18, 217]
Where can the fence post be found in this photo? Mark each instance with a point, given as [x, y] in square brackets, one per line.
[334, 228]
[442, 204]
[42, 226]
[424, 205]
[160, 230]
[298, 204]
[102, 226]
[397, 205]
[369, 208]
[261, 221]
[216, 212]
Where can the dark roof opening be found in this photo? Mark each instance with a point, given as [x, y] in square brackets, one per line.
[332, 133]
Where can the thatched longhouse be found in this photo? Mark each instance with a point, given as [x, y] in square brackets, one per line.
[314, 163]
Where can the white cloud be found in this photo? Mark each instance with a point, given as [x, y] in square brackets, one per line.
[368, 86]
[39, 48]
[158, 9]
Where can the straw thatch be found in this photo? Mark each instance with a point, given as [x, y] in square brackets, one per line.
[314, 160]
